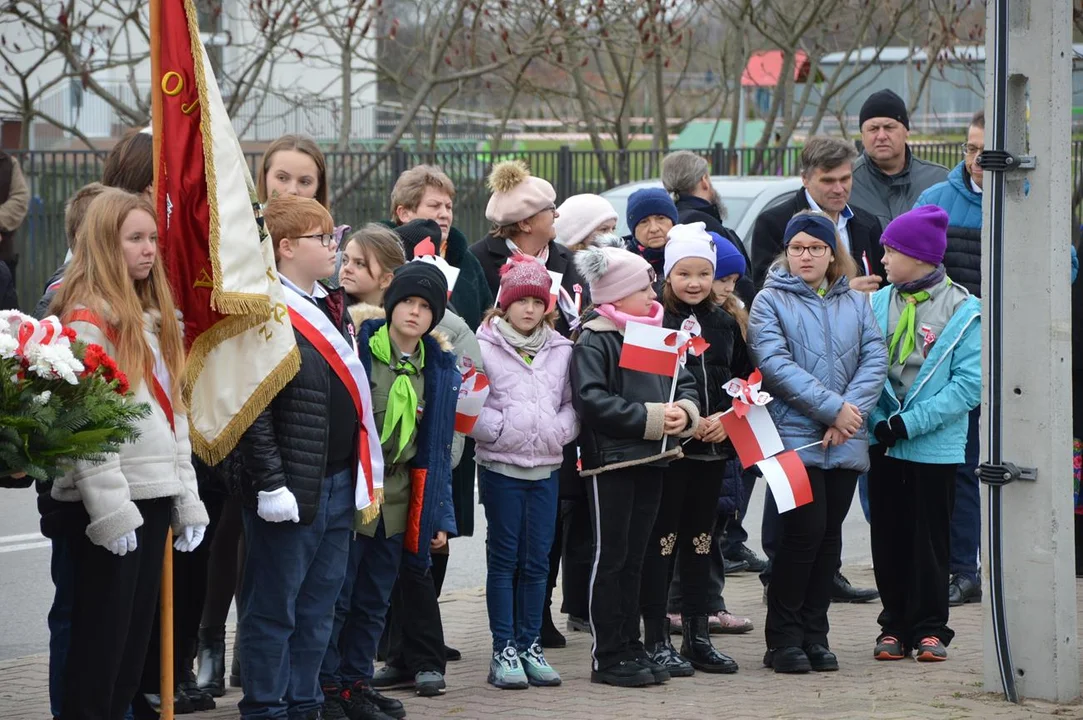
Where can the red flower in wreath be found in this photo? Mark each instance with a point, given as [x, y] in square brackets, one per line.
[92, 359]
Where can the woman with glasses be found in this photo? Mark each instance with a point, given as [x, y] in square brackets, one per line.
[824, 362]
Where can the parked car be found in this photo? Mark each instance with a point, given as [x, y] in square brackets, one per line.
[745, 198]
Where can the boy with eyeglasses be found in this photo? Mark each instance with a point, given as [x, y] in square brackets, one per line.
[311, 458]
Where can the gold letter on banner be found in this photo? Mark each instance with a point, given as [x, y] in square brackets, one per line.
[176, 89]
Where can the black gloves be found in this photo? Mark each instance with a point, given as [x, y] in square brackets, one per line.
[883, 434]
[899, 427]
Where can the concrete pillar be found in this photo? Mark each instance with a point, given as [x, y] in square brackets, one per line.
[1036, 386]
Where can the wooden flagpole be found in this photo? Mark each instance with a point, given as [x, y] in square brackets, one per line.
[165, 628]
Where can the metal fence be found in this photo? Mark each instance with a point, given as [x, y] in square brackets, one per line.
[360, 183]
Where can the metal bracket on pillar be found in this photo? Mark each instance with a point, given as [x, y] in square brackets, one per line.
[1001, 474]
[1004, 161]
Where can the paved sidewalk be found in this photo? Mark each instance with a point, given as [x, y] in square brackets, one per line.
[863, 688]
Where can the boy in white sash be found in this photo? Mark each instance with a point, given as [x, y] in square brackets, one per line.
[304, 457]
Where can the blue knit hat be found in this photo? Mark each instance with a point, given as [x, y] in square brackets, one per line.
[817, 225]
[650, 201]
[728, 259]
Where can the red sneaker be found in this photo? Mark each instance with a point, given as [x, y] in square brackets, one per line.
[930, 649]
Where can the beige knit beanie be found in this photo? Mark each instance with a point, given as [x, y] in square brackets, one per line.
[517, 195]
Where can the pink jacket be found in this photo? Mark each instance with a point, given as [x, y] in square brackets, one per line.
[528, 417]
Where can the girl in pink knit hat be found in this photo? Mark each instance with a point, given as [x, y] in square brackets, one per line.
[625, 416]
[521, 433]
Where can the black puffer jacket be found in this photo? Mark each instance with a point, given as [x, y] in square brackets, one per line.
[692, 209]
[711, 371]
[286, 446]
[962, 259]
[622, 411]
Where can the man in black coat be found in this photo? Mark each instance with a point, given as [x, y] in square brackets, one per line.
[827, 173]
[687, 177]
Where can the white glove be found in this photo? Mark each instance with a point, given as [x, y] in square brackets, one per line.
[278, 506]
[190, 539]
[123, 545]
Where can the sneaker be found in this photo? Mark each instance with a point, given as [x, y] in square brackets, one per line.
[626, 673]
[429, 683]
[726, 623]
[578, 624]
[505, 670]
[930, 649]
[334, 705]
[889, 648]
[389, 677]
[538, 670]
[742, 553]
[362, 694]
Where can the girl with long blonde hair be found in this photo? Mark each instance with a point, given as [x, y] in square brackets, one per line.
[115, 295]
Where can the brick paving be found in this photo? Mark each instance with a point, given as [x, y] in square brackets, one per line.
[863, 688]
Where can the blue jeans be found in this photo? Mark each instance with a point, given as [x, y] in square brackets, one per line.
[863, 495]
[361, 608]
[63, 571]
[521, 517]
[293, 573]
[966, 517]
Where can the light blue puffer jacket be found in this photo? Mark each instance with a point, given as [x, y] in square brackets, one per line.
[948, 386]
[816, 353]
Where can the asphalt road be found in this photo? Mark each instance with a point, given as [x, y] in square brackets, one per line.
[26, 590]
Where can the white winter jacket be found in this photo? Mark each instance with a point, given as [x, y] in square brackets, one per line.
[157, 465]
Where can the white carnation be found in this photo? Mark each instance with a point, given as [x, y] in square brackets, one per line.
[43, 398]
[8, 345]
[54, 361]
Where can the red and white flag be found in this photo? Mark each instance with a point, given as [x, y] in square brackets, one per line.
[646, 349]
[754, 436]
[472, 395]
[786, 476]
[425, 252]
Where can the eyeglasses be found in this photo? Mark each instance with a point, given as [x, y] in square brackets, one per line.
[971, 150]
[326, 239]
[816, 251]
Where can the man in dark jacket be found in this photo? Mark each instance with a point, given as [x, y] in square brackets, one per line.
[686, 176]
[826, 171]
[427, 192]
[887, 177]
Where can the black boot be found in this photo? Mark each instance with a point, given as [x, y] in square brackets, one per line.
[699, 651]
[235, 668]
[661, 651]
[211, 659]
[550, 636]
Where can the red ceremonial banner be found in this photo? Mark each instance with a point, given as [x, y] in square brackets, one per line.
[181, 198]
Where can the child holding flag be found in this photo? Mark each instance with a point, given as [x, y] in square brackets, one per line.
[521, 433]
[688, 509]
[823, 359]
[627, 417]
[920, 425]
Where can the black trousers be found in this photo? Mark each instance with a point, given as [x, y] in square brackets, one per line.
[684, 526]
[807, 555]
[225, 560]
[623, 506]
[414, 629]
[577, 556]
[911, 505]
[112, 618]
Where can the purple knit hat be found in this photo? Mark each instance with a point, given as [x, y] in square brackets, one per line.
[921, 233]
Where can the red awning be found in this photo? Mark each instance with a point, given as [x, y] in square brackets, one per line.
[764, 67]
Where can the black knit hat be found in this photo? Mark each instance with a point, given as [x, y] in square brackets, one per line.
[418, 279]
[886, 104]
[418, 231]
